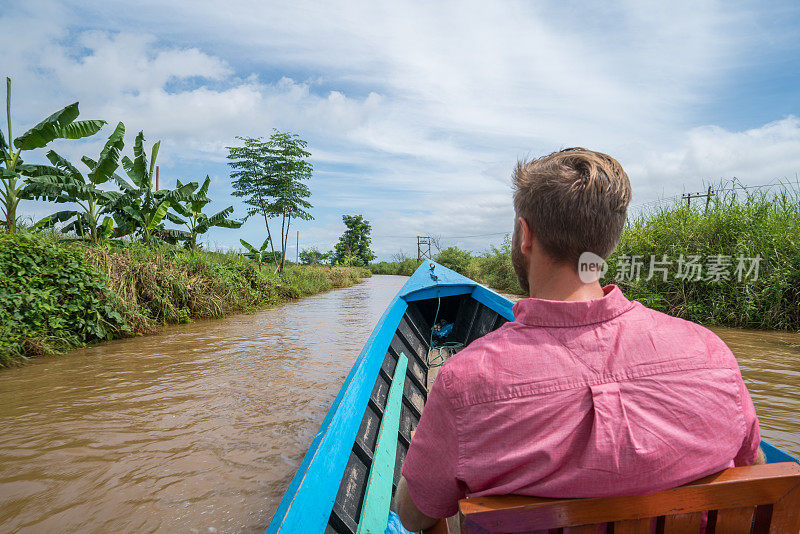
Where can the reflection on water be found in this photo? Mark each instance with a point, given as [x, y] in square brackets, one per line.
[200, 428]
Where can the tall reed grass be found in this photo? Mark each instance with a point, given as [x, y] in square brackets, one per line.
[735, 224]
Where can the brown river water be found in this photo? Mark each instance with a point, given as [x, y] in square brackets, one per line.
[201, 427]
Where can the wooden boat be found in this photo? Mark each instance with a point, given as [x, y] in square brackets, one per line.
[346, 480]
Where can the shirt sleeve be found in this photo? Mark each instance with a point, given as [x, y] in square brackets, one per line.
[431, 465]
[749, 452]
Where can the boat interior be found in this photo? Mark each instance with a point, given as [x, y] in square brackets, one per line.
[470, 319]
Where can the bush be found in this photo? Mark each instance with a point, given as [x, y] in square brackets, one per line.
[494, 269]
[455, 258]
[403, 268]
[52, 298]
[61, 296]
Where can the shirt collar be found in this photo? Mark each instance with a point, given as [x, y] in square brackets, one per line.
[541, 312]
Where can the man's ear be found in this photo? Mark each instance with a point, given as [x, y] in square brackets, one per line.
[525, 236]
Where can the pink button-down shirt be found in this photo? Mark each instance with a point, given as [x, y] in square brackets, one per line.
[581, 399]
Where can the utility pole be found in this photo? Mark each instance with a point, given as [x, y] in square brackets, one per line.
[297, 251]
[707, 195]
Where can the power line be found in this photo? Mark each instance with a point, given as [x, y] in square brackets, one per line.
[736, 186]
[476, 235]
[442, 237]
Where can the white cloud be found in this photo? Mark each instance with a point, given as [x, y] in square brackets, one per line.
[709, 154]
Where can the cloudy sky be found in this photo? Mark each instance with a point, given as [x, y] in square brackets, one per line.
[416, 112]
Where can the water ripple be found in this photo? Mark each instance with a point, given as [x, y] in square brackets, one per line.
[197, 429]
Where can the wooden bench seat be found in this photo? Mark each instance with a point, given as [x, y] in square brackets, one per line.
[755, 499]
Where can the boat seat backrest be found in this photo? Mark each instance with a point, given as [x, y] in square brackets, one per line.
[755, 499]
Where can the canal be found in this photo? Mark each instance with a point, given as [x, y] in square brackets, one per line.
[201, 427]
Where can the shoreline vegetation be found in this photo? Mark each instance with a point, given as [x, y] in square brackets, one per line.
[109, 265]
[735, 224]
[58, 295]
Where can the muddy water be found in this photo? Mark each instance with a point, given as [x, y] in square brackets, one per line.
[200, 428]
[770, 364]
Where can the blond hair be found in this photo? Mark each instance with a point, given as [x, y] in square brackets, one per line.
[575, 201]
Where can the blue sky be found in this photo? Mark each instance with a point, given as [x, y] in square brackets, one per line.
[417, 112]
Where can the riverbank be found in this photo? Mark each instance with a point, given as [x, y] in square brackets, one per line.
[57, 295]
[734, 263]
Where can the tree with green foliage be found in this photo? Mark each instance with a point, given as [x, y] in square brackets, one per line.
[64, 183]
[251, 181]
[287, 163]
[312, 256]
[353, 246]
[59, 125]
[140, 208]
[198, 222]
[270, 176]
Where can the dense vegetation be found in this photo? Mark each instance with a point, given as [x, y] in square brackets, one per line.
[746, 226]
[492, 268]
[57, 295]
[108, 266]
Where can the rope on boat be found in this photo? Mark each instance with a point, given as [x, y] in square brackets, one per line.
[439, 359]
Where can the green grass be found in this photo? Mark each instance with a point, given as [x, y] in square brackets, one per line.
[765, 224]
[57, 295]
[734, 225]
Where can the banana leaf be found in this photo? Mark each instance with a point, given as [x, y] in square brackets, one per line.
[158, 216]
[171, 217]
[153, 156]
[249, 247]
[59, 125]
[109, 157]
[4, 148]
[219, 219]
[33, 170]
[80, 129]
[64, 165]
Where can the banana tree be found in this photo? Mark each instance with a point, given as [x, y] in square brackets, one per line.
[198, 222]
[67, 184]
[59, 125]
[140, 208]
[258, 254]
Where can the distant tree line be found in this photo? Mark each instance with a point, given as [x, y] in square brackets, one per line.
[353, 248]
